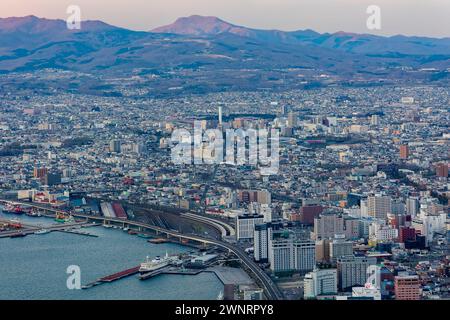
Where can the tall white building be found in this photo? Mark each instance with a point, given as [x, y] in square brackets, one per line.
[266, 211]
[261, 242]
[304, 255]
[340, 248]
[245, 225]
[379, 206]
[352, 270]
[364, 208]
[281, 254]
[382, 232]
[289, 254]
[220, 116]
[412, 206]
[292, 120]
[320, 282]
[375, 120]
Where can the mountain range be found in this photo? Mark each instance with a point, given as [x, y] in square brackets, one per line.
[205, 48]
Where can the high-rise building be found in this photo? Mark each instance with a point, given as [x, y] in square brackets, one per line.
[114, 146]
[340, 248]
[51, 179]
[407, 234]
[220, 116]
[351, 228]
[264, 197]
[292, 120]
[327, 225]
[404, 151]
[280, 254]
[138, 148]
[323, 250]
[407, 288]
[245, 225]
[286, 253]
[442, 170]
[352, 270]
[39, 172]
[375, 120]
[261, 242]
[379, 206]
[309, 212]
[304, 255]
[412, 206]
[320, 282]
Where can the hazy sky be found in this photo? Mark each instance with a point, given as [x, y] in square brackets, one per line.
[409, 17]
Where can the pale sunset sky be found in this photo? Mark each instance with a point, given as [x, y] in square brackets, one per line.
[408, 17]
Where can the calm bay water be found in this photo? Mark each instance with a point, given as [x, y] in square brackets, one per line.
[34, 267]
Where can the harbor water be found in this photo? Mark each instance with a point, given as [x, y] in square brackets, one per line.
[34, 267]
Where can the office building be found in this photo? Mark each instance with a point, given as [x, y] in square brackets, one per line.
[352, 271]
[407, 288]
[292, 120]
[245, 225]
[412, 206]
[320, 282]
[39, 172]
[51, 179]
[327, 225]
[261, 242]
[340, 248]
[286, 253]
[442, 170]
[379, 206]
[114, 146]
[404, 152]
[304, 255]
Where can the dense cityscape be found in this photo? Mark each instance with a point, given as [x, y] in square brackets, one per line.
[201, 159]
[357, 210]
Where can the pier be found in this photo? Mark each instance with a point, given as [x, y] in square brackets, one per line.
[78, 232]
[28, 229]
[113, 277]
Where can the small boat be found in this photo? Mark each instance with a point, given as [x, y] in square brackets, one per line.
[158, 241]
[33, 213]
[42, 231]
[13, 209]
[62, 218]
[143, 235]
[18, 235]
